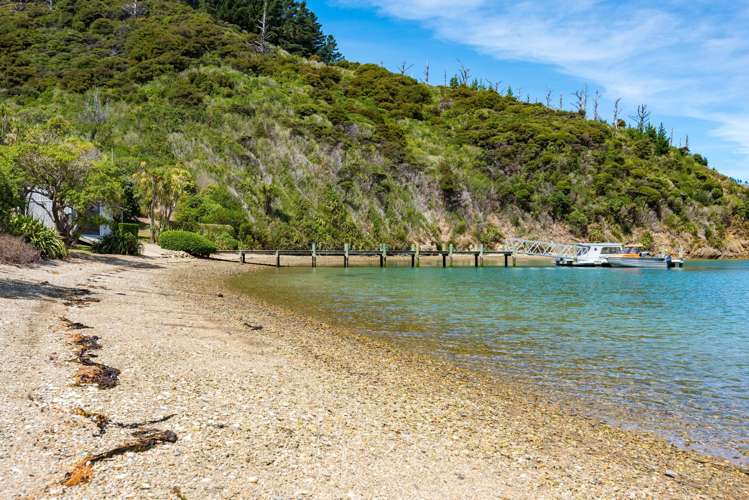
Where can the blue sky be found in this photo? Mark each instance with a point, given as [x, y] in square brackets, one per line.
[688, 60]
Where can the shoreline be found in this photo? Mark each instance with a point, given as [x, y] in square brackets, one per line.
[588, 406]
[270, 403]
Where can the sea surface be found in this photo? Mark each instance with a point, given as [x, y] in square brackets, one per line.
[661, 351]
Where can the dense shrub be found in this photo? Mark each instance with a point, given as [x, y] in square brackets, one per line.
[185, 241]
[119, 242]
[45, 240]
[129, 227]
[15, 251]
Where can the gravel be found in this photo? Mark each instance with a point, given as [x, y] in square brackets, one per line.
[294, 409]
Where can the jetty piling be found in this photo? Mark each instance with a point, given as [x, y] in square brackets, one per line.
[414, 254]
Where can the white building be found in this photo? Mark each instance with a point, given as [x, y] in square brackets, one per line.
[40, 208]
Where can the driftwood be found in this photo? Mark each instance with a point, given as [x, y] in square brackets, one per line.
[102, 421]
[144, 440]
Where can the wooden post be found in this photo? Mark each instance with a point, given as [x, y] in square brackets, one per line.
[418, 258]
[314, 255]
[450, 251]
[505, 260]
[413, 255]
[241, 256]
[278, 258]
[444, 259]
[475, 259]
[345, 255]
[514, 262]
[481, 255]
[384, 256]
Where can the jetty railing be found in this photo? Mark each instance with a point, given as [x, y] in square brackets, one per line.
[415, 253]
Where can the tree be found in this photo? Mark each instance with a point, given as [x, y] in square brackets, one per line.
[161, 188]
[95, 112]
[426, 73]
[596, 100]
[548, 98]
[404, 68]
[11, 184]
[581, 101]
[464, 74]
[71, 173]
[642, 118]
[329, 52]
[133, 8]
[288, 24]
[617, 111]
[262, 26]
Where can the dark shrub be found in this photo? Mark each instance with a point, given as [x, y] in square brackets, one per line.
[119, 242]
[185, 241]
[129, 227]
[45, 240]
[15, 251]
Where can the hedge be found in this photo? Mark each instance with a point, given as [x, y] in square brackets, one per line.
[185, 241]
[129, 227]
[121, 242]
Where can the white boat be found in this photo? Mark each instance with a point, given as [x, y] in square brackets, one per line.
[618, 255]
[589, 255]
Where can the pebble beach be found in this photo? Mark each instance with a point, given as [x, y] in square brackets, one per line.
[263, 402]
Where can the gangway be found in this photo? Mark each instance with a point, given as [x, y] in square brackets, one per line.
[545, 248]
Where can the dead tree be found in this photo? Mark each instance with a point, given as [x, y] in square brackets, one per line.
[581, 101]
[548, 98]
[404, 68]
[262, 27]
[95, 112]
[426, 74]
[133, 9]
[596, 100]
[561, 102]
[617, 111]
[464, 74]
[642, 118]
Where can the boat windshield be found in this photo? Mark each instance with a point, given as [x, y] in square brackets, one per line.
[611, 250]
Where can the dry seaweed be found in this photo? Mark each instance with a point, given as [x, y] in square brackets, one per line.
[102, 375]
[145, 439]
[73, 325]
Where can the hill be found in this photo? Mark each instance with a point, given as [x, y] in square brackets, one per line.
[288, 150]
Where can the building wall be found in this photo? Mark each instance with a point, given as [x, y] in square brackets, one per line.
[40, 208]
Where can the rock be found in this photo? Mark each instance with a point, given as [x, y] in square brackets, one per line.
[670, 473]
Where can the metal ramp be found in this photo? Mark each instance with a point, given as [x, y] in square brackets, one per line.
[545, 248]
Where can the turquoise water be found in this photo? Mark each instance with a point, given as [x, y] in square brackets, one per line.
[661, 351]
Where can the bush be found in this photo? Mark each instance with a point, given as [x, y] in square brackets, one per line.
[129, 227]
[185, 241]
[225, 241]
[15, 251]
[119, 242]
[45, 240]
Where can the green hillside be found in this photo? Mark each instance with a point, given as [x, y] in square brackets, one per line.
[288, 150]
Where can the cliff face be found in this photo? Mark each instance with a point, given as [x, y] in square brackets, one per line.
[351, 153]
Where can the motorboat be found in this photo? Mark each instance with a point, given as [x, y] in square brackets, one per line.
[617, 255]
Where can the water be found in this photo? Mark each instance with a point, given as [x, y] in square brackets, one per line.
[661, 351]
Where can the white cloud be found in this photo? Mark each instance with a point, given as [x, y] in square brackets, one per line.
[683, 58]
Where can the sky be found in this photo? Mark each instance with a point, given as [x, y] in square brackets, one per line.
[687, 60]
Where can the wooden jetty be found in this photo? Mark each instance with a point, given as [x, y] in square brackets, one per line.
[415, 253]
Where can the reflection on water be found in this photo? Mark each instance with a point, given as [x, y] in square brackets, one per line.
[666, 351]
